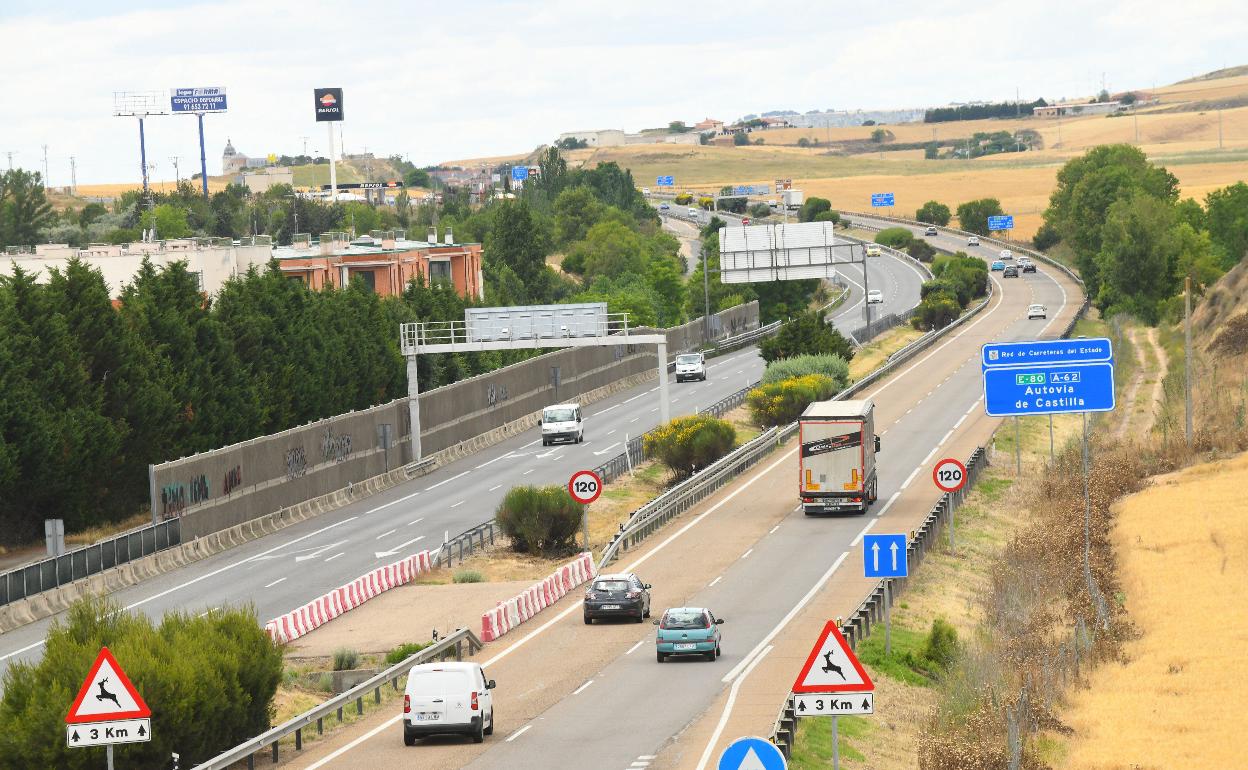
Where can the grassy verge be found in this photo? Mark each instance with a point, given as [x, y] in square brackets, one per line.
[874, 354]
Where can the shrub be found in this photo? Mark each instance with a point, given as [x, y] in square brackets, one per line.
[468, 576]
[684, 199]
[346, 659]
[780, 403]
[1046, 237]
[921, 250]
[973, 215]
[934, 213]
[936, 311]
[968, 276]
[940, 648]
[812, 207]
[539, 519]
[830, 366]
[740, 140]
[828, 216]
[807, 333]
[688, 443]
[404, 651]
[759, 210]
[220, 670]
[894, 237]
[803, 142]
[574, 262]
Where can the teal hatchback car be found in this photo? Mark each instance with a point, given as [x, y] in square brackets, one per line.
[688, 631]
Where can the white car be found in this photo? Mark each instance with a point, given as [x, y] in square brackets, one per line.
[973, 240]
[443, 698]
[1005, 254]
[693, 213]
[562, 421]
[645, 191]
[875, 297]
[690, 366]
[930, 230]
[1037, 311]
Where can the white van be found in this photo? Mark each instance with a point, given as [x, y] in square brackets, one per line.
[562, 421]
[443, 698]
[690, 366]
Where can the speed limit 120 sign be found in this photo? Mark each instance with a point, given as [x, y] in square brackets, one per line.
[585, 486]
[949, 475]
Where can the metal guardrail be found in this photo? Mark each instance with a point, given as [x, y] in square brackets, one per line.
[457, 548]
[56, 571]
[858, 626]
[452, 644]
[729, 402]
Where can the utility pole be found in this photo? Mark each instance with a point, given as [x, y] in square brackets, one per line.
[47, 186]
[305, 145]
[11, 153]
[73, 175]
[1187, 357]
[177, 175]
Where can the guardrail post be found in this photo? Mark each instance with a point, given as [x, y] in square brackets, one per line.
[251, 762]
[359, 711]
[275, 752]
[298, 739]
[320, 725]
[459, 650]
[377, 694]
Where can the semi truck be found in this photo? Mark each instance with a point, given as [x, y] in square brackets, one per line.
[837, 469]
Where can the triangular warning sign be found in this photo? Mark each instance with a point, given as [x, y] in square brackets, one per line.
[832, 666]
[107, 694]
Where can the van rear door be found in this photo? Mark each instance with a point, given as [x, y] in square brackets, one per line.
[439, 696]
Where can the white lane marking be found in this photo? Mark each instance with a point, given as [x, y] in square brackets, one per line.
[746, 555]
[508, 739]
[531, 443]
[910, 478]
[316, 551]
[656, 387]
[205, 612]
[275, 582]
[716, 580]
[193, 581]
[490, 462]
[415, 521]
[335, 556]
[633, 649]
[496, 486]
[552, 452]
[392, 502]
[864, 531]
[814, 589]
[732, 699]
[456, 505]
[604, 411]
[613, 430]
[646, 756]
[530, 470]
[929, 456]
[634, 398]
[772, 531]
[961, 420]
[385, 534]
[635, 419]
[446, 481]
[606, 449]
[397, 548]
[581, 689]
[947, 435]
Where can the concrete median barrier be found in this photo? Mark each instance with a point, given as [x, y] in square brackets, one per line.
[537, 597]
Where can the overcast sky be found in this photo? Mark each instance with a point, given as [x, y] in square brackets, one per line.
[441, 80]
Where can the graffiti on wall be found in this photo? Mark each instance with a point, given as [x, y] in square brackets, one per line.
[233, 479]
[296, 463]
[199, 489]
[172, 500]
[335, 448]
[495, 393]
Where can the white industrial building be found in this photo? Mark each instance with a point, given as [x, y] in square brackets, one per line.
[614, 137]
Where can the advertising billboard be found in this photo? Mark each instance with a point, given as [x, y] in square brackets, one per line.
[197, 99]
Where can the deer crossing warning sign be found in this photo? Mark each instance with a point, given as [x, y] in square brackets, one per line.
[832, 667]
[107, 709]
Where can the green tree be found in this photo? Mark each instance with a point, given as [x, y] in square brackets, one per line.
[519, 241]
[1227, 219]
[168, 220]
[812, 207]
[90, 213]
[359, 218]
[418, 177]
[807, 333]
[677, 127]
[610, 249]
[1134, 268]
[933, 213]
[973, 215]
[24, 207]
[229, 207]
[575, 211]
[740, 140]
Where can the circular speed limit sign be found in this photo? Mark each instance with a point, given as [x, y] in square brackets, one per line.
[949, 475]
[585, 486]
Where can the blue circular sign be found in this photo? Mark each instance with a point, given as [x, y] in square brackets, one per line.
[752, 754]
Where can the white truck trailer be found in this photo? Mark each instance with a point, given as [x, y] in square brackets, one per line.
[837, 471]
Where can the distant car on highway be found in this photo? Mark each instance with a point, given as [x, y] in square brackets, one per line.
[1006, 254]
[690, 366]
[664, 207]
[874, 250]
[998, 265]
[442, 698]
[875, 297]
[1010, 272]
[562, 421]
[1029, 266]
[931, 230]
[688, 631]
[693, 213]
[973, 240]
[645, 191]
[619, 595]
[1037, 311]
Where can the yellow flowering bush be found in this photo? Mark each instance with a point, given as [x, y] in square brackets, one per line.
[689, 443]
[780, 403]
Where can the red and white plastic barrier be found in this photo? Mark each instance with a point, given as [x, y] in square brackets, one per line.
[537, 597]
[321, 610]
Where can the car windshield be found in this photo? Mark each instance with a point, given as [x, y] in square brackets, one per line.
[684, 620]
[559, 415]
[688, 359]
[611, 585]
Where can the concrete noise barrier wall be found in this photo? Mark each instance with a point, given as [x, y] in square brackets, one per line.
[222, 488]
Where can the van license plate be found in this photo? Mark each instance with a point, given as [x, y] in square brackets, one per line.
[686, 646]
[610, 606]
[428, 717]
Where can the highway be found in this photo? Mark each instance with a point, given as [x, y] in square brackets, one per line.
[595, 697]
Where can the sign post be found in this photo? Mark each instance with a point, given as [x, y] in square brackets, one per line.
[108, 710]
[833, 683]
[329, 111]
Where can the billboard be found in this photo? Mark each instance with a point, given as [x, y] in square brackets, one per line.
[197, 100]
[530, 322]
[328, 104]
[783, 252]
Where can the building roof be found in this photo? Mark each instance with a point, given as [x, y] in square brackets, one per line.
[358, 248]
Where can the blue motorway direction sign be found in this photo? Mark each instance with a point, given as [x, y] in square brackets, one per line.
[1081, 387]
[752, 754]
[665, 181]
[881, 199]
[197, 100]
[1003, 222]
[884, 556]
[519, 173]
[1046, 352]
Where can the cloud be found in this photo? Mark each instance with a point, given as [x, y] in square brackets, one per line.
[437, 80]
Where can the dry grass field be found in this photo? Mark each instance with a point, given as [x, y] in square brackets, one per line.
[1178, 699]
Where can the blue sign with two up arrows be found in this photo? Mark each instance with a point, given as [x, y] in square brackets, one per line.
[884, 556]
[752, 754]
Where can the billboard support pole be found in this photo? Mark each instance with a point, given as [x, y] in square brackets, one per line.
[203, 158]
[143, 156]
[665, 404]
[413, 405]
[333, 173]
